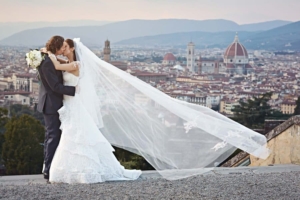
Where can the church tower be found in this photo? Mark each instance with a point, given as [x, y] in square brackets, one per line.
[191, 66]
[106, 51]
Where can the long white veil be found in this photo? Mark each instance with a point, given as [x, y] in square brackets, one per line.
[177, 138]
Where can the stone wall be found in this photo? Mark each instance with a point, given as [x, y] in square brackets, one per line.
[285, 147]
[284, 143]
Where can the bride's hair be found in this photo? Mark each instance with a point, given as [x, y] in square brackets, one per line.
[71, 45]
[55, 43]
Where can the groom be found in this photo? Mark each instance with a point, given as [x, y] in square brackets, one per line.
[51, 100]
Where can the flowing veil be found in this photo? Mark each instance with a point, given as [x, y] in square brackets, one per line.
[177, 138]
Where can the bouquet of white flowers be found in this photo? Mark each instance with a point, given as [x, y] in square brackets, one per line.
[34, 58]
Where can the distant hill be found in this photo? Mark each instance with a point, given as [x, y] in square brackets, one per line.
[285, 37]
[264, 26]
[95, 35]
[200, 39]
[10, 28]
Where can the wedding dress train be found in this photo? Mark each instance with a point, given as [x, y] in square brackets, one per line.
[177, 138]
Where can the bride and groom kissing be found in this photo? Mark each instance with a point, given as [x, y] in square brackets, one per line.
[70, 153]
[90, 105]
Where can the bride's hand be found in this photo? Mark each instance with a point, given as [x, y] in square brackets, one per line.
[43, 50]
[76, 64]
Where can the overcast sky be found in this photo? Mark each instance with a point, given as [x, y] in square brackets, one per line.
[240, 11]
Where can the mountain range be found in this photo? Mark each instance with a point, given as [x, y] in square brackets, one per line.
[284, 37]
[175, 32]
[9, 28]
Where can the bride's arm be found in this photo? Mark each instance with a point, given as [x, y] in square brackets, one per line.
[64, 67]
[62, 61]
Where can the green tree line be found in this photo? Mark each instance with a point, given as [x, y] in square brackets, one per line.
[253, 112]
[21, 143]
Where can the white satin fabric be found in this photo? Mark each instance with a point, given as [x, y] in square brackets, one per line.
[84, 155]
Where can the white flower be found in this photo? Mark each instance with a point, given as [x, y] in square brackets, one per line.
[31, 56]
[36, 63]
[28, 61]
[34, 58]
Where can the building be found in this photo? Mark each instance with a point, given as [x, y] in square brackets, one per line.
[169, 60]
[227, 106]
[236, 59]
[191, 65]
[15, 98]
[119, 64]
[212, 100]
[16, 82]
[288, 107]
[106, 51]
[150, 77]
[189, 97]
[207, 66]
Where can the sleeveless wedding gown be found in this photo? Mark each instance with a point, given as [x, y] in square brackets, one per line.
[177, 138]
[84, 155]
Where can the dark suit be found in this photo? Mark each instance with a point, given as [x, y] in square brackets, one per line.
[50, 101]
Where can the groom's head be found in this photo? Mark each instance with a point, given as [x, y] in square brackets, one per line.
[56, 45]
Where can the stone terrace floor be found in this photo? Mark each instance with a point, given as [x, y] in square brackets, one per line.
[272, 182]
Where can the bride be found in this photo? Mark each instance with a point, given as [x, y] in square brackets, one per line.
[83, 154]
[177, 138]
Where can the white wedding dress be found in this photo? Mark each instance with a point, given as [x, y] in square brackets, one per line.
[177, 138]
[84, 155]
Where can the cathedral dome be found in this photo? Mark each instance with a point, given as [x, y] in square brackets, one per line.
[236, 49]
[169, 57]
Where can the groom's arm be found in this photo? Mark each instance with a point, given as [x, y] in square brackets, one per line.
[52, 80]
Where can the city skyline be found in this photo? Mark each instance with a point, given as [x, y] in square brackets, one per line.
[99, 10]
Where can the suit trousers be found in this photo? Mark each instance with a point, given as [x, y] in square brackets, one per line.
[52, 138]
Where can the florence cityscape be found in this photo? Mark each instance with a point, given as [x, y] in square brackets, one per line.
[241, 62]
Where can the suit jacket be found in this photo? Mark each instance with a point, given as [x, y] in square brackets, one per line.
[51, 90]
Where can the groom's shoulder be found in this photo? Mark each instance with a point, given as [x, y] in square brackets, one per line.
[47, 61]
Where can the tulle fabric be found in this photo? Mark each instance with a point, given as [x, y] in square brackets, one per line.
[177, 138]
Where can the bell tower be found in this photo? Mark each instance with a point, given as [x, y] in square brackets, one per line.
[191, 66]
[106, 51]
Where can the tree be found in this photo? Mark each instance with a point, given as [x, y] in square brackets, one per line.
[157, 59]
[3, 120]
[276, 114]
[297, 109]
[18, 110]
[22, 150]
[253, 112]
[130, 160]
